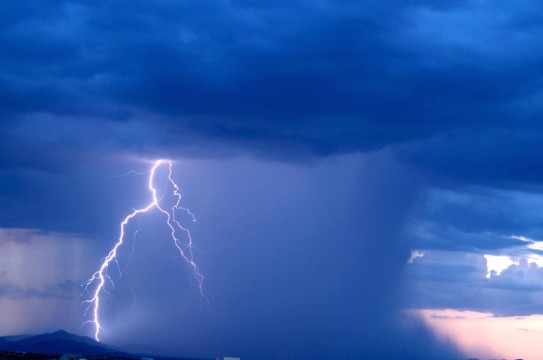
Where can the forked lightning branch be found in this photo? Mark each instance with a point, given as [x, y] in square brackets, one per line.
[180, 235]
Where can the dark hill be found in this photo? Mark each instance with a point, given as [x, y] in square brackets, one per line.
[59, 342]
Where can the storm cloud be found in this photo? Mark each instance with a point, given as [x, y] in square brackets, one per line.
[285, 80]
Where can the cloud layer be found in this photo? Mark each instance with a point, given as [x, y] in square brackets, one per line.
[289, 80]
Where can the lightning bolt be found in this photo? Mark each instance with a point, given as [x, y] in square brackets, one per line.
[100, 278]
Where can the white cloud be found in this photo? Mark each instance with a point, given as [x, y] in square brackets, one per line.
[497, 264]
[532, 244]
[519, 260]
[415, 254]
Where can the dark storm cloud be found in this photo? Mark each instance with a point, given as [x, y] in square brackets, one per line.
[313, 77]
[428, 235]
[483, 210]
[505, 156]
[476, 219]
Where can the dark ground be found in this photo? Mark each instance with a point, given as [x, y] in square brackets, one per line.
[29, 356]
[4, 355]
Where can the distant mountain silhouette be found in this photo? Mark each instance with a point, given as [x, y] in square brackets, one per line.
[59, 342]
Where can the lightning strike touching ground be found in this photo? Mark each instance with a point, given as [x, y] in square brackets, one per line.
[100, 278]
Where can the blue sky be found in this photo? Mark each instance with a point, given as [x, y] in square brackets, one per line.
[320, 144]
